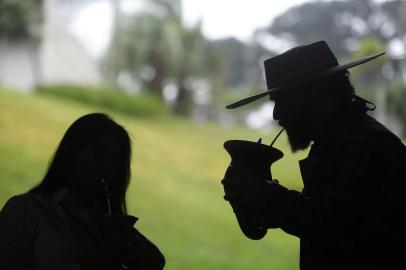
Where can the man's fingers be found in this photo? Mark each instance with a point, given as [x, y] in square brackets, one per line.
[242, 204]
[236, 172]
[236, 194]
[228, 181]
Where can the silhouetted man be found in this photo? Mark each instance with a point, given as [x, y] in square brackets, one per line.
[349, 214]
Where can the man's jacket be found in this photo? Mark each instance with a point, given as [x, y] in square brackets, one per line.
[351, 210]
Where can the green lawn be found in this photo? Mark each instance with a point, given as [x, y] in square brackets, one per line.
[175, 190]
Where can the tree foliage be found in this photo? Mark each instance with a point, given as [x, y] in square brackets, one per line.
[243, 62]
[397, 97]
[158, 49]
[341, 23]
[370, 76]
[20, 18]
[353, 29]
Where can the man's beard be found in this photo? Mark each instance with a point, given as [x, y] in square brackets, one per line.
[298, 139]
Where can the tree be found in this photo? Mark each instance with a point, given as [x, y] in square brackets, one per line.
[353, 29]
[396, 98]
[341, 23]
[20, 19]
[371, 75]
[155, 47]
[243, 62]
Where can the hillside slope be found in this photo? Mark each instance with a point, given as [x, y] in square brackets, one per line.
[175, 190]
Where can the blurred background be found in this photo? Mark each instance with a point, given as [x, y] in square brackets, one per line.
[165, 69]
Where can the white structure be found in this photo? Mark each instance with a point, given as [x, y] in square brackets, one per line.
[58, 58]
[18, 64]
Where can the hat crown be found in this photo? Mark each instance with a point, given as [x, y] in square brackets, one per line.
[298, 63]
[299, 66]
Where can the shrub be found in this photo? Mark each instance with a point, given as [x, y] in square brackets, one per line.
[113, 99]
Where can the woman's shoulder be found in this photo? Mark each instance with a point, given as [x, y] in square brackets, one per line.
[18, 202]
[18, 217]
[15, 206]
[24, 202]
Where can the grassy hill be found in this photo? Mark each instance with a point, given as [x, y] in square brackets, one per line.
[175, 191]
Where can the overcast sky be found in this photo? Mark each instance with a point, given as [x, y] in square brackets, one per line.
[238, 18]
[221, 18]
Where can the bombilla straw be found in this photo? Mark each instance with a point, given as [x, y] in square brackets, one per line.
[280, 132]
[107, 194]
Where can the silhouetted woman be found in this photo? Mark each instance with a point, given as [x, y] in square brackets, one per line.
[76, 218]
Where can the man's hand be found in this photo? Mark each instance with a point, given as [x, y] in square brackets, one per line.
[253, 198]
[240, 187]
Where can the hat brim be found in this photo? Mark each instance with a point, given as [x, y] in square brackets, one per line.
[308, 79]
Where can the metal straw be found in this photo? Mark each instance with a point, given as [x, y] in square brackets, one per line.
[280, 132]
[107, 194]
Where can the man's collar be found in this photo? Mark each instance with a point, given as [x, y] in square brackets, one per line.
[60, 194]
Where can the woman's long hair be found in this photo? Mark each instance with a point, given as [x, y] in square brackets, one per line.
[83, 131]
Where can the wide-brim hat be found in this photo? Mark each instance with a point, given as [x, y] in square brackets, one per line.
[300, 65]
